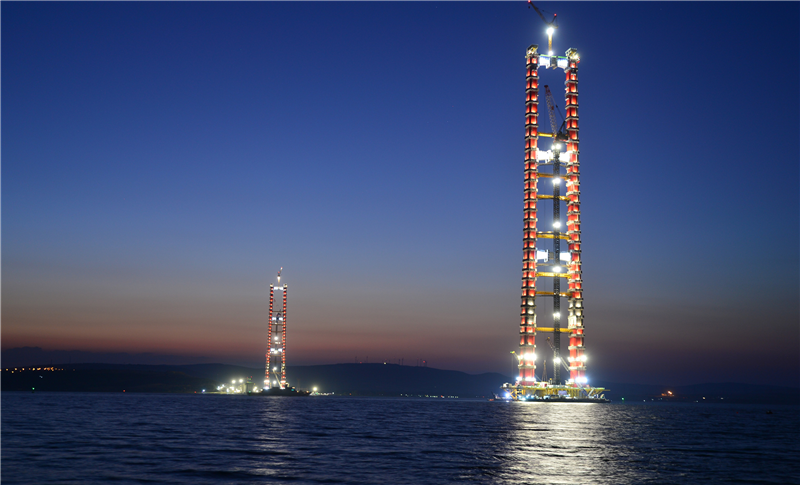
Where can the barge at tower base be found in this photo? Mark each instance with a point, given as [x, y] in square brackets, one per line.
[277, 391]
[545, 392]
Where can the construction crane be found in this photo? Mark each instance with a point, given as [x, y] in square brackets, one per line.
[544, 369]
[551, 26]
[556, 356]
[558, 133]
[558, 136]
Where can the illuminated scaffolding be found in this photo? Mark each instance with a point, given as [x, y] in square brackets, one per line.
[548, 260]
[275, 369]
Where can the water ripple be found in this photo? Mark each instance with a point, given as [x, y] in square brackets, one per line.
[187, 439]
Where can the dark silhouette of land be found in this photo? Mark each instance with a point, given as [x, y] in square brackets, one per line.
[342, 379]
[355, 380]
[104, 378]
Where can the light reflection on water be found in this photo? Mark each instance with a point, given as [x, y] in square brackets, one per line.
[100, 438]
[618, 443]
[560, 443]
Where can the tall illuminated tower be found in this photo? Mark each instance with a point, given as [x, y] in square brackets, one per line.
[275, 370]
[541, 262]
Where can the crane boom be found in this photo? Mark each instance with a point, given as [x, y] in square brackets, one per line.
[551, 109]
[551, 26]
[561, 361]
[551, 23]
[558, 133]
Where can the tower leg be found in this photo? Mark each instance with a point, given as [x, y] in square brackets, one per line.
[267, 379]
[283, 339]
[527, 340]
[577, 359]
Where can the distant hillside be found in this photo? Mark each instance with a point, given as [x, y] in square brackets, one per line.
[358, 380]
[393, 379]
[104, 379]
[342, 379]
[364, 379]
[711, 392]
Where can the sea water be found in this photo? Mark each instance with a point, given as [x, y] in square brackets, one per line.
[94, 438]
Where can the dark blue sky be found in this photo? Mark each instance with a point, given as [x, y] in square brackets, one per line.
[160, 162]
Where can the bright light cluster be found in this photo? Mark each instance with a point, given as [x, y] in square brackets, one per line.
[232, 388]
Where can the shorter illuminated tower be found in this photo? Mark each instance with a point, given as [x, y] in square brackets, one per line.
[275, 370]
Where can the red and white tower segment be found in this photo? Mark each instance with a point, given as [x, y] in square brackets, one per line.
[527, 331]
[283, 338]
[570, 158]
[269, 338]
[577, 358]
[275, 368]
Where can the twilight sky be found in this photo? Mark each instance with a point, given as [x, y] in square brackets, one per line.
[161, 161]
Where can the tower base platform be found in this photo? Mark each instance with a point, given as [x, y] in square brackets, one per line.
[276, 391]
[545, 392]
